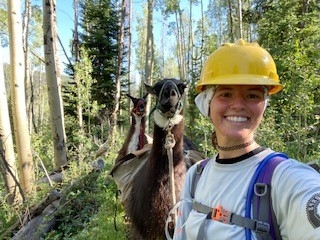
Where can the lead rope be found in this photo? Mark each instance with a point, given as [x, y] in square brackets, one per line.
[173, 211]
[169, 144]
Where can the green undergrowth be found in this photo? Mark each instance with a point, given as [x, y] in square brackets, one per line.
[88, 207]
[91, 209]
[91, 216]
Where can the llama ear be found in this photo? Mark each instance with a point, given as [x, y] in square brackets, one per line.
[183, 87]
[145, 96]
[132, 98]
[149, 88]
[128, 96]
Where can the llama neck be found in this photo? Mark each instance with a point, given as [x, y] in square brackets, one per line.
[135, 142]
[159, 157]
[164, 122]
[142, 133]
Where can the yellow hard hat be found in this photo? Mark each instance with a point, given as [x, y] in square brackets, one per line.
[240, 63]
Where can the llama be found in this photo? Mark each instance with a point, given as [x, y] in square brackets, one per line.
[136, 137]
[150, 201]
[126, 163]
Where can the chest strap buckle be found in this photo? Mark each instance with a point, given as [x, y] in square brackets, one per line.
[220, 214]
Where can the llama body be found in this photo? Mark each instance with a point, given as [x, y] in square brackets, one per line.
[150, 199]
[126, 164]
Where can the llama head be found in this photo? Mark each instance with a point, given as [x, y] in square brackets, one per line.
[139, 105]
[169, 93]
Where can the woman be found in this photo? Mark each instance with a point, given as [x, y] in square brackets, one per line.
[234, 87]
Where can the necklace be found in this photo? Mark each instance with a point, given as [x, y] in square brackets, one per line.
[236, 147]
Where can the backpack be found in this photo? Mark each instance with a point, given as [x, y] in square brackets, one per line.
[263, 222]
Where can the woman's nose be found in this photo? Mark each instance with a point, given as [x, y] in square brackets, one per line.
[238, 101]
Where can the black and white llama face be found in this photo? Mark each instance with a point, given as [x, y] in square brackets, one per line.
[139, 105]
[169, 93]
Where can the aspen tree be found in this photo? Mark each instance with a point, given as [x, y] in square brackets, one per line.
[20, 123]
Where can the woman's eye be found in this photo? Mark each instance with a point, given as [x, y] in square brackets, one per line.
[255, 96]
[225, 94]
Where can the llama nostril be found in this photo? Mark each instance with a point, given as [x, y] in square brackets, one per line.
[173, 93]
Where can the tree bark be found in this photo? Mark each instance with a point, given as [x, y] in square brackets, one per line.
[7, 163]
[20, 123]
[54, 82]
[231, 32]
[28, 83]
[76, 52]
[240, 18]
[149, 62]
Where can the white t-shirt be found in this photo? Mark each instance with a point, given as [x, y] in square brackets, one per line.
[295, 197]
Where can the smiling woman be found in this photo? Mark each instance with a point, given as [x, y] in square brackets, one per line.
[234, 87]
[236, 79]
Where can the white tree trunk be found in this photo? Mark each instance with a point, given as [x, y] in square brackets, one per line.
[54, 82]
[20, 122]
[240, 18]
[114, 115]
[8, 166]
[149, 62]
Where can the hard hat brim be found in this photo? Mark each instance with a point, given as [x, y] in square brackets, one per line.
[242, 80]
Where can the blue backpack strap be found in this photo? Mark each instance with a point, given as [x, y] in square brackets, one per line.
[260, 192]
[265, 224]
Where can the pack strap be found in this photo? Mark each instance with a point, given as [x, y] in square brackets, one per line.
[197, 175]
[265, 171]
[222, 215]
[262, 202]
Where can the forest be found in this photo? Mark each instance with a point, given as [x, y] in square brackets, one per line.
[62, 126]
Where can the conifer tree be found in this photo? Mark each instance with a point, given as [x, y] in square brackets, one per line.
[100, 24]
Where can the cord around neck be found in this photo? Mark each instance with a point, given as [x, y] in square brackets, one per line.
[235, 147]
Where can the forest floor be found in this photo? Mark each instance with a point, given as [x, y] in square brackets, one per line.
[88, 208]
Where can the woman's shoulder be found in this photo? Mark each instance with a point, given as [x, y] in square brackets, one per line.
[292, 164]
[295, 172]
[201, 162]
[198, 167]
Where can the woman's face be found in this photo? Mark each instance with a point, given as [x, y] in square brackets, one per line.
[236, 111]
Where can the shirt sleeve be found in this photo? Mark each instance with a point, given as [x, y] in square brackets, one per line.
[296, 200]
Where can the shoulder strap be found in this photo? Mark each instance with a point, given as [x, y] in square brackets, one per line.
[315, 166]
[197, 175]
[259, 190]
[262, 202]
